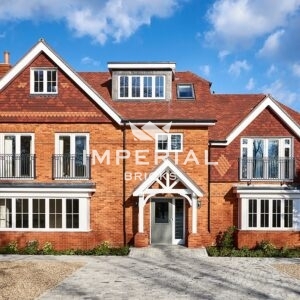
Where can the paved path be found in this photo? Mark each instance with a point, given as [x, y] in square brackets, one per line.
[175, 273]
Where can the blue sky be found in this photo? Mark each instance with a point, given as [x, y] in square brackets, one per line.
[241, 46]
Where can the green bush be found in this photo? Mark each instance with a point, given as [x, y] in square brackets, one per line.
[102, 249]
[11, 248]
[48, 248]
[226, 239]
[31, 248]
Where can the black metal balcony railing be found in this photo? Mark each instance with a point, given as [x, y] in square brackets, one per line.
[17, 166]
[66, 166]
[267, 168]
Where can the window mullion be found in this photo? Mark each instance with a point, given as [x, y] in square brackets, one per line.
[30, 213]
[64, 219]
[13, 211]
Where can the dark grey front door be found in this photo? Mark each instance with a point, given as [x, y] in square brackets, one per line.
[161, 221]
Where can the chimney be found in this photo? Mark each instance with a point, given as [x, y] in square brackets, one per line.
[5, 66]
[6, 57]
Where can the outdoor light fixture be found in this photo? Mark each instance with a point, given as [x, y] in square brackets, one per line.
[198, 203]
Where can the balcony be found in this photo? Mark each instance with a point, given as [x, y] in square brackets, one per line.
[15, 166]
[66, 166]
[281, 169]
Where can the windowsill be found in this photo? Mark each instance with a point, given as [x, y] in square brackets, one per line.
[43, 94]
[270, 229]
[42, 230]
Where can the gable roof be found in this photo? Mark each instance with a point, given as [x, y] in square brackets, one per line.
[167, 164]
[230, 114]
[268, 101]
[41, 46]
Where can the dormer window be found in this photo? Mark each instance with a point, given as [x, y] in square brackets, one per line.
[43, 81]
[141, 87]
[185, 91]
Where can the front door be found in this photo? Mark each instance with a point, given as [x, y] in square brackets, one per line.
[167, 221]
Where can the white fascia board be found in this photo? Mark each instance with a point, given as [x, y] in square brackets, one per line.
[167, 164]
[47, 192]
[42, 47]
[141, 66]
[254, 114]
[190, 124]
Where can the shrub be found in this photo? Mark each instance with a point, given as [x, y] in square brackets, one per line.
[48, 248]
[267, 247]
[226, 239]
[11, 248]
[31, 248]
[102, 249]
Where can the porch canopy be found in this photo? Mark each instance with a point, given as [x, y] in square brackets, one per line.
[168, 179]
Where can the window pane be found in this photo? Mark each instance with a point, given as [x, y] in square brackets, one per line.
[258, 155]
[147, 87]
[72, 217]
[273, 147]
[124, 86]
[185, 91]
[38, 216]
[38, 81]
[5, 213]
[135, 87]
[51, 81]
[162, 212]
[159, 86]
[288, 213]
[276, 213]
[22, 213]
[264, 213]
[176, 143]
[252, 214]
[55, 216]
[162, 142]
[80, 156]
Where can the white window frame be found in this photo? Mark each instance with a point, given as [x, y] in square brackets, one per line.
[72, 147]
[182, 85]
[247, 146]
[18, 151]
[169, 142]
[244, 214]
[44, 92]
[84, 212]
[141, 77]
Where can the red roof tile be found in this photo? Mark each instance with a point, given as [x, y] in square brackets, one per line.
[227, 110]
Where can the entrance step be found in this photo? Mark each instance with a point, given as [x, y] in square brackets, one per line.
[167, 252]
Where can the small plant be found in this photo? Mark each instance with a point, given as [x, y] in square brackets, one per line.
[12, 248]
[31, 248]
[102, 249]
[48, 248]
[226, 239]
[267, 247]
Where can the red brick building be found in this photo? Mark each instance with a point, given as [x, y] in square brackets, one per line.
[141, 154]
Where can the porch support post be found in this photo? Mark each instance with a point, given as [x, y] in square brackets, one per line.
[194, 213]
[141, 214]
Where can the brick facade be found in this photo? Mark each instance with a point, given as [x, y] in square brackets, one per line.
[113, 210]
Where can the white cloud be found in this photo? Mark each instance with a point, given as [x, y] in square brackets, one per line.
[89, 61]
[296, 69]
[116, 19]
[205, 69]
[271, 70]
[238, 66]
[251, 84]
[272, 44]
[279, 91]
[238, 22]
[223, 53]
